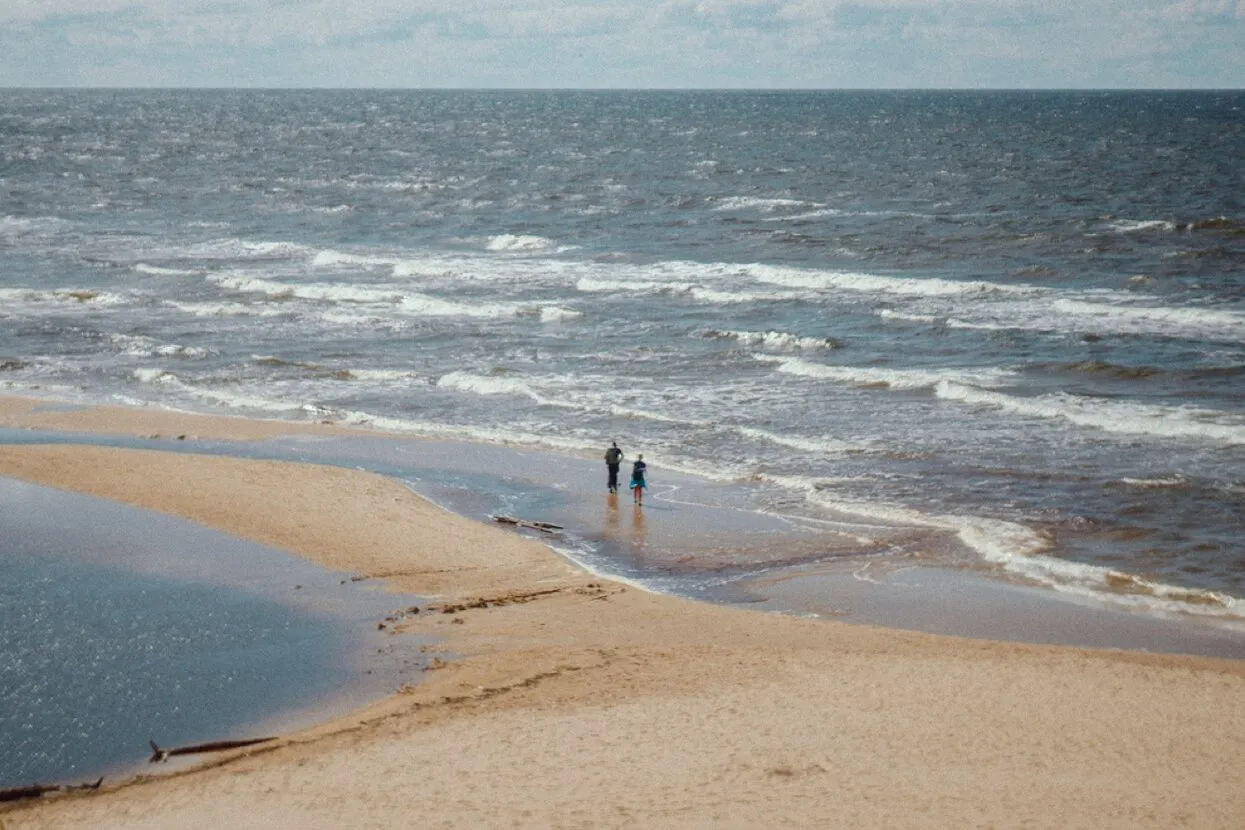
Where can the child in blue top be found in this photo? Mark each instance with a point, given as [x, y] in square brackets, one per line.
[637, 478]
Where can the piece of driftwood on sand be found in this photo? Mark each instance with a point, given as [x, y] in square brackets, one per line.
[158, 754]
[36, 790]
[546, 527]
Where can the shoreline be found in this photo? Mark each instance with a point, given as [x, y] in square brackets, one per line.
[576, 700]
[795, 576]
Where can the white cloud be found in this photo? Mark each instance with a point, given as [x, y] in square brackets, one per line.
[760, 43]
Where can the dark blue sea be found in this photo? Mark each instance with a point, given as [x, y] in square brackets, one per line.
[1002, 332]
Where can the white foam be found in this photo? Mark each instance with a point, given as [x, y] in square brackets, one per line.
[598, 285]
[1160, 482]
[1158, 319]
[1021, 551]
[332, 292]
[892, 378]
[805, 216]
[877, 284]
[519, 242]
[1110, 416]
[733, 203]
[385, 376]
[149, 375]
[157, 271]
[888, 314]
[233, 248]
[824, 446]
[558, 314]
[494, 435]
[143, 346]
[1135, 225]
[432, 267]
[13, 297]
[229, 398]
[496, 385]
[713, 295]
[12, 226]
[424, 305]
[88, 296]
[226, 309]
[338, 259]
[777, 340]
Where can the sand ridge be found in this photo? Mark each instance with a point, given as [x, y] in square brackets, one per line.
[565, 700]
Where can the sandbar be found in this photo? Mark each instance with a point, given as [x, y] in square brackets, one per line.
[567, 700]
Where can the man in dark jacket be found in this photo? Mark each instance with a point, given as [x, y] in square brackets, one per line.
[613, 458]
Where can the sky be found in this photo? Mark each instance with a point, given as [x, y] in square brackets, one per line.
[631, 44]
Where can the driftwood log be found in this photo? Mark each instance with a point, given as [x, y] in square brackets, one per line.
[158, 754]
[545, 527]
[36, 790]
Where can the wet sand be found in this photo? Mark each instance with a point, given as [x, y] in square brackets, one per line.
[568, 700]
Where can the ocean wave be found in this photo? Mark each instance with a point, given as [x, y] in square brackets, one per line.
[159, 271]
[1157, 483]
[823, 446]
[878, 284]
[1109, 416]
[889, 314]
[558, 314]
[1023, 552]
[1115, 370]
[234, 248]
[719, 297]
[519, 242]
[1141, 225]
[817, 213]
[1217, 223]
[337, 259]
[766, 205]
[777, 340]
[389, 298]
[493, 385]
[225, 309]
[905, 379]
[229, 398]
[152, 375]
[14, 226]
[506, 436]
[1204, 322]
[12, 297]
[575, 393]
[602, 285]
[425, 306]
[332, 292]
[142, 346]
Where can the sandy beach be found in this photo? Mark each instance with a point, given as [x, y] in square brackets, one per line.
[565, 700]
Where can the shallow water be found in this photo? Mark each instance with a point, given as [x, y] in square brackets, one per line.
[118, 625]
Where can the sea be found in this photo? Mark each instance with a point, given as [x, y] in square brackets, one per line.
[998, 333]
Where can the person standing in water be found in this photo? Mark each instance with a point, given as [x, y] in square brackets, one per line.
[613, 459]
[637, 478]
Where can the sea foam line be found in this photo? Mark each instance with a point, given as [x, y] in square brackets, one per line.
[778, 340]
[879, 284]
[1021, 551]
[892, 378]
[1109, 416]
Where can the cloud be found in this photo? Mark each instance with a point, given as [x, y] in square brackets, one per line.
[757, 43]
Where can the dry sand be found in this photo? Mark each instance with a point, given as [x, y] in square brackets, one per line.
[577, 702]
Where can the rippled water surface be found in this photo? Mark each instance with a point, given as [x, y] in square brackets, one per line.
[1004, 331]
[118, 625]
